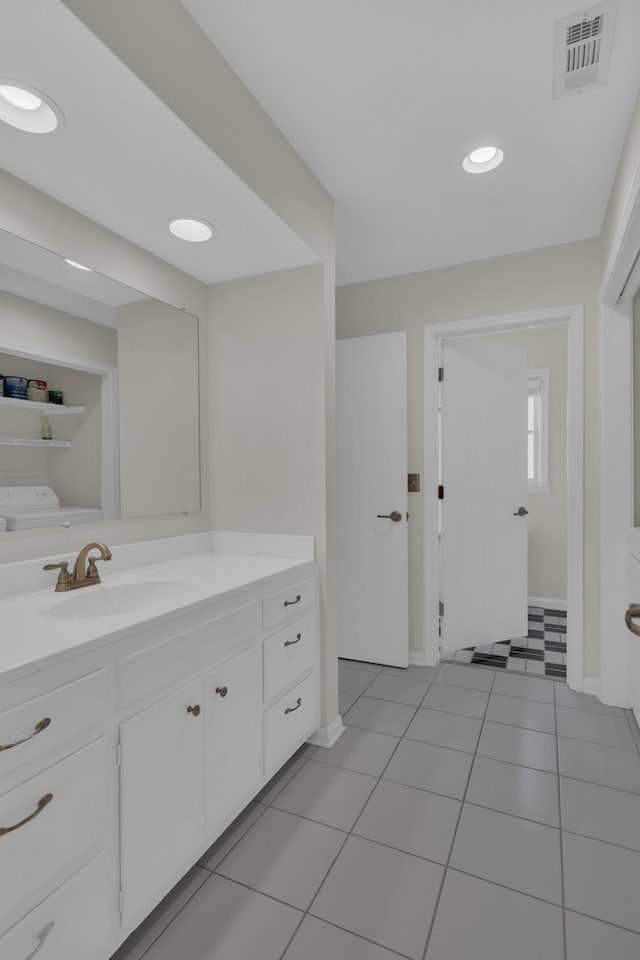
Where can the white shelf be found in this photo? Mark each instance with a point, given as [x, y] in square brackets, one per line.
[34, 406]
[24, 442]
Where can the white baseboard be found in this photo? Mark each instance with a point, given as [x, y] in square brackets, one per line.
[327, 736]
[549, 603]
[592, 685]
[416, 658]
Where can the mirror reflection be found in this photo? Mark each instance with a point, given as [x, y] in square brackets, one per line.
[99, 396]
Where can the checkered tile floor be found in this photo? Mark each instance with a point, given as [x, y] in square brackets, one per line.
[543, 651]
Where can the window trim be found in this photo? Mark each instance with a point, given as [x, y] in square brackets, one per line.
[540, 378]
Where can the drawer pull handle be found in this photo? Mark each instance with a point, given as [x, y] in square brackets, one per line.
[223, 691]
[633, 611]
[42, 936]
[194, 711]
[293, 709]
[39, 727]
[48, 797]
[292, 603]
[291, 643]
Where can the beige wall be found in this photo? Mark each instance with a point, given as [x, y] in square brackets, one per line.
[546, 349]
[158, 394]
[539, 279]
[636, 406]
[267, 370]
[30, 326]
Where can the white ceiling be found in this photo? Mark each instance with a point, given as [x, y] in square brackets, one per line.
[124, 159]
[383, 99]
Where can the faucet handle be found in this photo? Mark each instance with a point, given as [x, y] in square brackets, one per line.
[63, 577]
[92, 570]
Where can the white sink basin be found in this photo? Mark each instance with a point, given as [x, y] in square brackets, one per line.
[105, 601]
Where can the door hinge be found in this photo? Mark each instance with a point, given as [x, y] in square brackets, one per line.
[440, 374]
[120, 902]
[118, 755]
[440, 492]
[441, 609]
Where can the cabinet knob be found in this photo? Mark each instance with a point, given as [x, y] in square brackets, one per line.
[222, 691]
[293, 709]
[194, 710]
[292, 603]
[292, 643]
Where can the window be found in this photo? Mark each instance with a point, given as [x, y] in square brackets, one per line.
[538, 435]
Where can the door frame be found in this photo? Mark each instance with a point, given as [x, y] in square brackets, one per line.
[573, 318]
[620, 283]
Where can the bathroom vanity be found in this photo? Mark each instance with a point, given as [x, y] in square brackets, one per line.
[137, 719]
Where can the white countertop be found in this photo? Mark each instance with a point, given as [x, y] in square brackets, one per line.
[34, 635]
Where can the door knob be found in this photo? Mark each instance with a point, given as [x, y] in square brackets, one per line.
[395, 515]
[521, 512]
[633, 611]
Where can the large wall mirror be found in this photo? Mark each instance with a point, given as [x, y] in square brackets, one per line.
[99, 396]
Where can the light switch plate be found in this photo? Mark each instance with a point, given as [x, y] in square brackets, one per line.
[413, 484]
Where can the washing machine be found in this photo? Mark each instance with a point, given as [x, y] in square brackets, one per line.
[24, 508]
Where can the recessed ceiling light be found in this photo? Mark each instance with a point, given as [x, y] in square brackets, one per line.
[25, 108]
[483, 159]
[78, 266]
[188, 228]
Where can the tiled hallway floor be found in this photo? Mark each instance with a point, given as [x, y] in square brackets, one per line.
[465, 814]
[543, 652]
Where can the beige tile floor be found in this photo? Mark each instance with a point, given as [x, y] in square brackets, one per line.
[465, 814]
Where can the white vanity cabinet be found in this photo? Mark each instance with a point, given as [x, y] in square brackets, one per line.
[161, 794]
[233, 736]
[124, 763]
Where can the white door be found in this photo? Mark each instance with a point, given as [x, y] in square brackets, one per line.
[372, 561]
[484, 474]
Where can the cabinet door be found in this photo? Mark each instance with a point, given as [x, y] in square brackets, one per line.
[161, 796]
[233, 766]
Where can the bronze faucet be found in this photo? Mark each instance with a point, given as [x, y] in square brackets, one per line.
[84, 574]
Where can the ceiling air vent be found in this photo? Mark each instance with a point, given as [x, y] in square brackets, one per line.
[583, 45]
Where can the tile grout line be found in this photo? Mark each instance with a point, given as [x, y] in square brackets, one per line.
[305, 760]
[446, 866]
[455, 832]
[349, 834]
[562, 879]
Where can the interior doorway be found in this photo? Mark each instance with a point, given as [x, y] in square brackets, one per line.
[536, 609]
[503, 428]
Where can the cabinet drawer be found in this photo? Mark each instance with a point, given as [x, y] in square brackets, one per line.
[51, 821]
[167, 665]
[38, 733]
[286, 605]
[287, 656]
[288, 722]
[71, 924]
